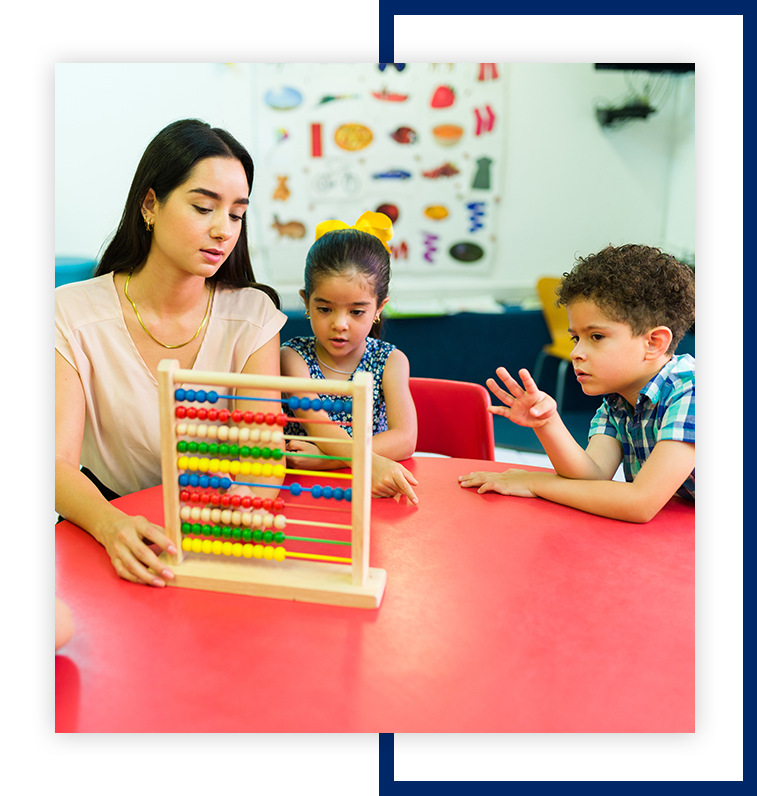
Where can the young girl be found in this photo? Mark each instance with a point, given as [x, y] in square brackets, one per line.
[347, 274]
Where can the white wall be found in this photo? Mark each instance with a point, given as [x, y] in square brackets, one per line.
[570, 186]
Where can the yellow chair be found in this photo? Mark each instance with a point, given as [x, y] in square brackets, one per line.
[561, 346]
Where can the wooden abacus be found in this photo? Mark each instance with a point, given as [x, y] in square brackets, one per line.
[240, 566]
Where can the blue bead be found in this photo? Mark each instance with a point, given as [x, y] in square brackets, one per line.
[180, 394]
[295, 489]
[204, 481]
[215, 481]
[348, 406]
[194, 479]
[348, 495]
[294, 402]
[338, 493]
[304, 403]
[328, 492]
[190, 395]
[316, 491]
[183, 480]
[225, 483]
[338, 405]
[315, 404]
[327, 404]
[212, 396]
[200, 395]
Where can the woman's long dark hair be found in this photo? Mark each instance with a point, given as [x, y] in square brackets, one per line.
[167, 163]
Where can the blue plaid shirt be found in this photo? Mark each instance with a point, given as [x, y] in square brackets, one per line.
[664, 410]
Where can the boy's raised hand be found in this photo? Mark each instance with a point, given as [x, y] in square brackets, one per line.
[526, 405]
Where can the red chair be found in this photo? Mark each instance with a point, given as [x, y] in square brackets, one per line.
[452, 418]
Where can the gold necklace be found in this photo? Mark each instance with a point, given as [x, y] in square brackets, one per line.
[141, 323]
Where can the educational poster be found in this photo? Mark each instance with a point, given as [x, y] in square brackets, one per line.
[422, 143]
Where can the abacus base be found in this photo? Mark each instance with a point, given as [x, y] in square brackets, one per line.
[303, 581]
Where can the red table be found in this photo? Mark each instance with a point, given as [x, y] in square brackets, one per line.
[500, 615]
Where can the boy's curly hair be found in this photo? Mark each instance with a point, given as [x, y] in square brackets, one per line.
[637, 285]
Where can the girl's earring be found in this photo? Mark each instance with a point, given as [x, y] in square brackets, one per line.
[377, 319]
[148, 225]
[307, 314]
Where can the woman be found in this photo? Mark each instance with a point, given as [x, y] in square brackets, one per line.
[175, 282]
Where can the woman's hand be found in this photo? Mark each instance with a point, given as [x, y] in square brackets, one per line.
[127, 543]
[390, 478]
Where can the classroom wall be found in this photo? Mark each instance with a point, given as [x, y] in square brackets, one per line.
[568, 186]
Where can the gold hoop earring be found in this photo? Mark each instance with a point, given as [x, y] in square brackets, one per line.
[148, 226]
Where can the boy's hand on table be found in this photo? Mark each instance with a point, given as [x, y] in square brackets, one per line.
[509, 482]
[527, 406]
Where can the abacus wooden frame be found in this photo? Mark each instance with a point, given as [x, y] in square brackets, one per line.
[356, 585]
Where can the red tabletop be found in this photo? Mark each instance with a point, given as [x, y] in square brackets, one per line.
[501, 614]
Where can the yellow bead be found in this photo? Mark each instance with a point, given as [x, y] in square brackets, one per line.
[194, 463]
[214, 465]
[186, 544]
[235, 467]
[247, 550]
[268, 553]
[183, 462]
[279, 470]
[267, 470]
[196, 545]
[246, 468]
[207, 545]
[257, 468]
[226, 550]
[203, 467]
[224, 466]
[257, 551]
[217, 548]
[279, 553]
[236, 549]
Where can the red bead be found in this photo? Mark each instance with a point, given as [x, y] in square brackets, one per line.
[236, 501]
[278, 504]
[257, 502]
[215, 500]
[184, 495]
[192, 412]
[202, 414]
[246, 501]
[194, 497]
[249, 418]
[223, 415]
[225, 500]
[259, 417]
[267, 504]
[236, 416]
[181, 412]
[270, 419]
[205, 498]
[212, 414]
[281, 420]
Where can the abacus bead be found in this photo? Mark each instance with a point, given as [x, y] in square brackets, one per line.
[348, 495]
[246, 468]
[215, 482]
[279, 554]
[223, 433]
[181, 412]
[257, 502]
[315, 404]
[338, 405]
[338, 493]
[246, 501]
[244, 434]
[248, 417]
[234, 433]
[305, 403]
[186, 544]
[202, 431]
[183, 479]
[259, 418]
[265, 453]
[277, 454]
[295, 489]
[316, 491]
[268, 553]
[270, 419]
[328, 492]
[194, 479]
[212, 415]
[280, 522]
[184, 495]
[179, 394]
[267, 470]
[185, 527]
[223, 415]
[207, 546]
[227, 548]
[267, 536]
[257, 551]
[236, 416]
[196, 545]
[278, 504]
[181, 446]
[294, 402]
[200, 396]
[278, 537]
[267, 504]
[281, 420]
[204, 480]
[212, 396]
[327, 404]
[181, 429]
[192, 413]
[202, 414]
[203, 447]
[190, 395]
[247, 551]
[247, 534]
[217, 547]
[236, 500]
[257, 535]
[225, 483]
[279, 470]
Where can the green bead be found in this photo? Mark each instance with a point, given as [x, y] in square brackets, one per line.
[206, 530]
[267, 536]
[279, 537]
[192, 447]
[186, 527]
[213, 448]
[233, 450]
[246, 534]
[216, 530]
[236, 534]
[257, 535]
[266, 453]
[223, 450]
[244, 451]
[255, 452]
[181, 446]
[197, 528]
[203, 447]
[226, 533]
[277, 454]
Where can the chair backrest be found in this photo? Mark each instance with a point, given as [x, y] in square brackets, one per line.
[556, 318]
[452, 418]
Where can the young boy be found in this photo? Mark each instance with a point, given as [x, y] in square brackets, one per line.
[628, 308]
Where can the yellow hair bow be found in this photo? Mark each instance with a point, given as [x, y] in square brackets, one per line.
[376, 224]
